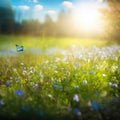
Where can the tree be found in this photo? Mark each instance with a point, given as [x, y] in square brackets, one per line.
[48, 28]
[64, 23]
[112, 15]
[6, 17]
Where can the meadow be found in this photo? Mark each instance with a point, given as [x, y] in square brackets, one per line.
[59, 78]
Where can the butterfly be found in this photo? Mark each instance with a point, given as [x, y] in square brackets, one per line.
[19, 48]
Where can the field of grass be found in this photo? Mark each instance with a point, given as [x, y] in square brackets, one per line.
[59, 79]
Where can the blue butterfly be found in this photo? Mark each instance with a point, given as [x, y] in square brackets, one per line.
[19, 48]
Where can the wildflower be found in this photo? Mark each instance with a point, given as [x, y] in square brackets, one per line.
[24, 72]
[84, 72]
[89, 103]
[85, 82]
[40, 113]
[60, 87]
[31, 71]
[31, 68]
[115, 99]
[76, 98]
[91, 72]
[56, 71]
[25, 68]
[1, 103]
[19, 92]
[55, 86]
[14, 69]
[115, 85]
[94, 67]
[35, 86]
[8, 83]
[51, 79]
[57, 59]
[69, 109]
[114, 78]
[114, 68]
[24, 108]
[96, 92]
[21, 64]
[77, 112]
[115, 58]
[109, 83]
[46, 62]
[49, 95]
[32, 83]
[41, 66]
[88, 60]
[103, 75]
[76, 64]
[95, 105]
[76, 87]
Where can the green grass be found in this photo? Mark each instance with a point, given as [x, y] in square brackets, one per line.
[44, 86]
[45, 42]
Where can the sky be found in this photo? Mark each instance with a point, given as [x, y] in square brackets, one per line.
[37, 9]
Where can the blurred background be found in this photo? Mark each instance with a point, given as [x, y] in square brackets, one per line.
[59, 18]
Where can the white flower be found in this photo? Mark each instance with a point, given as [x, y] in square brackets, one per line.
[24, 72]
[56, 71]
[57, 59]
[89, 103]
[103, 75]
[14, 69]
[22, 64]
[76, 98]
[109, 83]
[49, 95]
[85, 82]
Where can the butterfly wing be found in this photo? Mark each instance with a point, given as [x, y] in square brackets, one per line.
[19, 48]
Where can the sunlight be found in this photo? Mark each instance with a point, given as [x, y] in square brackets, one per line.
[88, 18]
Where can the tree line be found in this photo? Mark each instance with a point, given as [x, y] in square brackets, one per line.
[63, 26]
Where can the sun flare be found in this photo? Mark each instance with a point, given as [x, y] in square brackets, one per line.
[88, 18]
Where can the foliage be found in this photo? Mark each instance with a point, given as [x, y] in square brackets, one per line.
[6, 18]
[112, 15]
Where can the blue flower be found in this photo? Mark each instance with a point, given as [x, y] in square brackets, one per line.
[85, 82]
[41, 66]
[1, 103]
[95, 105]
[40, 113]
[24, 108]
[94, 67]
[115, 85]
[115, 99]
[60, 87]
[96, 92]
[84, 72]
[76, 87]
[7, 84]
[55, 86]
[91, 72]
[19, 93]
[76, 111]
[76, 64]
